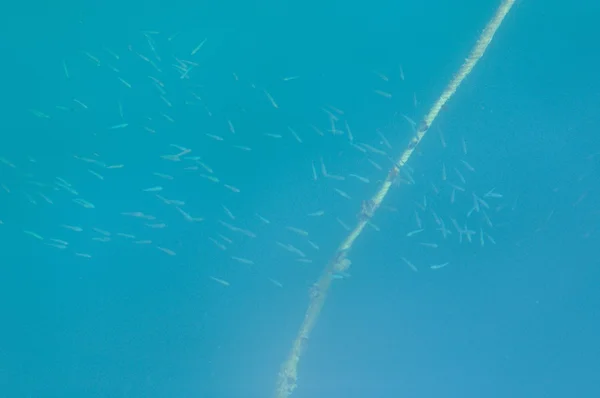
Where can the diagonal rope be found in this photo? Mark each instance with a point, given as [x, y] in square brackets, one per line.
[287, 379]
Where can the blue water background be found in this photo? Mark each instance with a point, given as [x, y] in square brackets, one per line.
[519, 318]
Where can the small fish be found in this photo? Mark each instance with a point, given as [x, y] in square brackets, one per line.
[84, 203]
[119, 126]
[383, 93]
[218, 244]
[228, 212]
[342, 193]
[242, 260]
[198, 47]
[411, 265]
[275, 282]
[218, 280]
[297, 231]
[438, 266]
[84, 255]
[359, 178]
[165, 250]
[416, 231]
[157, 188]
[31, 233]
[261, 218]
[232, 188]
[72, 228]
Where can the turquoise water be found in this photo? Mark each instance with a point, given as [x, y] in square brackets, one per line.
[162, 224]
